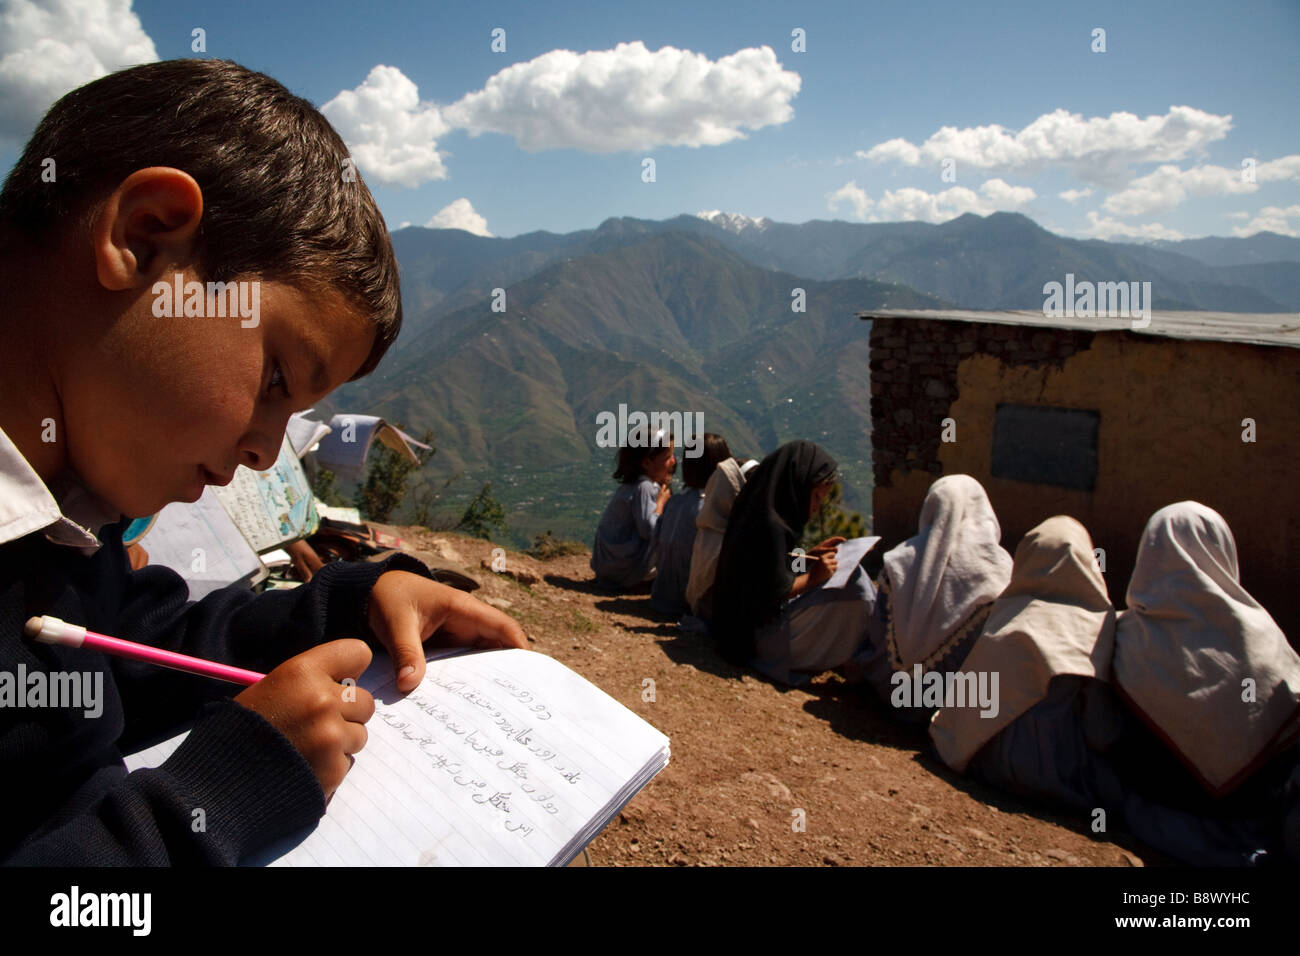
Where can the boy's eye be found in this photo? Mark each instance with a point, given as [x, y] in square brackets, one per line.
[278, 380]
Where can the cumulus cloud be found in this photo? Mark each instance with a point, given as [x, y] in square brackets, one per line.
[1269, 219]
[47, 49]
[854, 195]
[459, 215]
[1168, 185]
[909, 203]
[1100, 227]
[390, 133]
[1099, 149]
[1074, 195]
[630, 98]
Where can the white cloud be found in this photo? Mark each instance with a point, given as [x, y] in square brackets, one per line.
[459, 215]
[909, 203]
[1167, 186]
[1005, 196]
[47, 49]
[1103, 228]
[1098, 149]
[1074, 195]
[391, 135]
[854, 195]
[1269, 219]
[630, 98]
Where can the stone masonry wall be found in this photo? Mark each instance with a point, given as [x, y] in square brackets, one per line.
[914, 379]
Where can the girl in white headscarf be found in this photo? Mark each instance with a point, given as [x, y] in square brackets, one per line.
[1054, 619]
[711, 525]
[1199, 659]
[935, 590]
[1061, 733]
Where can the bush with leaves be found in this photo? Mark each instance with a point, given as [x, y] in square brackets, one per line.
[326, 489]
[831, 520]
[483, 514]
[385, 484]
[546, 546]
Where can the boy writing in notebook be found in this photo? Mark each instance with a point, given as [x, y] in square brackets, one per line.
[116, 402]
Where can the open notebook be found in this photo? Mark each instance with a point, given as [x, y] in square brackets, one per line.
[501, 757]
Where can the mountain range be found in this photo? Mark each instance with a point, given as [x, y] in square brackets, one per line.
[698, 314]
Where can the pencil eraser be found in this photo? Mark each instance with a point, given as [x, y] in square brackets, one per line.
[51, 630]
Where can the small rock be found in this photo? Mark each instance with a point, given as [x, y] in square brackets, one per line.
[517, 574]
[497, 602]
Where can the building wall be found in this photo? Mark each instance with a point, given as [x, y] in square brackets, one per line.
[1170, 429]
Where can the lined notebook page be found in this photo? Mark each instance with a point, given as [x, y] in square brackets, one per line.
[497, 758]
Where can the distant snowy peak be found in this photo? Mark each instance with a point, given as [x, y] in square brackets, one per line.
[734, 221]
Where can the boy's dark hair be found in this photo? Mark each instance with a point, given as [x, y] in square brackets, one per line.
[696, 472]
[630, 459]
[279, 200]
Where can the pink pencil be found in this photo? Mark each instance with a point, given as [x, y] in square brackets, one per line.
[50, 630]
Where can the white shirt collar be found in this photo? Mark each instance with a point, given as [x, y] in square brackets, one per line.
[68, 513]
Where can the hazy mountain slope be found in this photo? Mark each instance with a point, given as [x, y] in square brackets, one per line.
[666, 321]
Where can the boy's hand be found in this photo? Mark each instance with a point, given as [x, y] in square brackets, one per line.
[406, 609]
[304, 698]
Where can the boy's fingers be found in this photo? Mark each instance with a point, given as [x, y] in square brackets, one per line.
[358, 705]
[482, 625]
[347, 657]
[406, 646]
[354, 737]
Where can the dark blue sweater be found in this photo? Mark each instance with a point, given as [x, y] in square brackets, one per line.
[65, 796]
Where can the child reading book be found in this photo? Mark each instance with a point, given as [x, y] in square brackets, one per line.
[188, 257]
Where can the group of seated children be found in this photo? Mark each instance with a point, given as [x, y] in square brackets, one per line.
[1177, 717]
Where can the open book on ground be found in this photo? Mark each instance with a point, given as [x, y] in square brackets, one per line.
[501, 757]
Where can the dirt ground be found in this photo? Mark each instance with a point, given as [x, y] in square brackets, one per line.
[750, 760]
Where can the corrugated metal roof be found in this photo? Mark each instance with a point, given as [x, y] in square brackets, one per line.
[1247, 327]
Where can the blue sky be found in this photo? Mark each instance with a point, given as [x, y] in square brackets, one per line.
[847, 129]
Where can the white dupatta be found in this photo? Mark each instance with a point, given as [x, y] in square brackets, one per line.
[947, 571]
[1203, 663]
[1054, 618]
[720, 493]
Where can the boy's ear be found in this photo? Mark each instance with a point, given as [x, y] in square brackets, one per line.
[146, 223]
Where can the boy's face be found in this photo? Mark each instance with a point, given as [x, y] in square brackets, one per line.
[155, 408]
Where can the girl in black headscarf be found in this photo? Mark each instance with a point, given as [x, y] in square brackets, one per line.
[765, 611]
